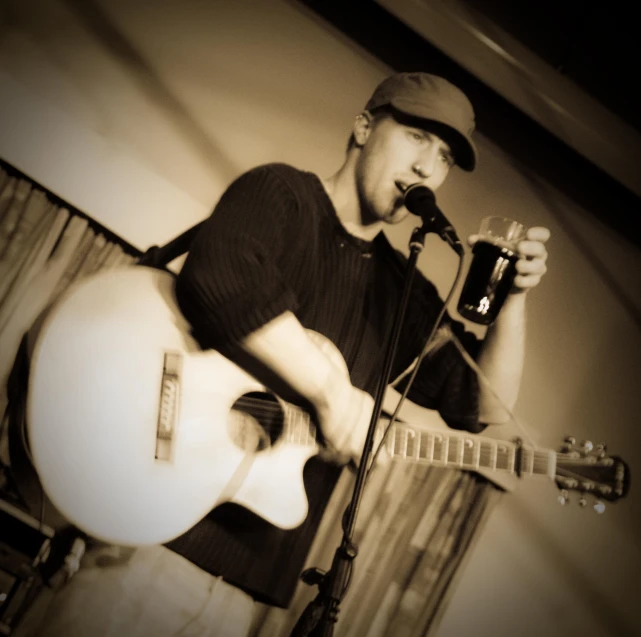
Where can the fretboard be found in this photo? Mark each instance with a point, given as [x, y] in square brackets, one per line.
[454, 450]
[466, 451]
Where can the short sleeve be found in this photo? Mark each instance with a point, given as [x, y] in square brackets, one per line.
[234, 278]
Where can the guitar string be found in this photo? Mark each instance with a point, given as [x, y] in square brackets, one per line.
[537, 459]
[265, 408]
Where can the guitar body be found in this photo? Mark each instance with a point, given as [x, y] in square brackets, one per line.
[130, 423]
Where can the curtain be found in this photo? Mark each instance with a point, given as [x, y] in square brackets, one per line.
[43, 248]
[416, 523]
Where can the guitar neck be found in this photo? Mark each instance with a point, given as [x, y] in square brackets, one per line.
[465, 451]
[455, 450]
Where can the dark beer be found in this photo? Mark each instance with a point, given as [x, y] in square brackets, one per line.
[488, 281]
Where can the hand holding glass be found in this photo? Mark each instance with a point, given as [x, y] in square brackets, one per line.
[492, 271]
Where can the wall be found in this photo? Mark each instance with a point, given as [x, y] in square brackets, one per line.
[140, 113]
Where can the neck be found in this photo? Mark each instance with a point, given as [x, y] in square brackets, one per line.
[343, 193]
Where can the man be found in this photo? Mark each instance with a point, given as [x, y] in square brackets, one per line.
[286, 253]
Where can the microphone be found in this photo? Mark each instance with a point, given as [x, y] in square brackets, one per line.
[421, 201]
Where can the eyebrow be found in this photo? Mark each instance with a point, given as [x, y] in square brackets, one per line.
[446, 148]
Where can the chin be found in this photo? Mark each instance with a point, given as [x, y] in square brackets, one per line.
[396, 217]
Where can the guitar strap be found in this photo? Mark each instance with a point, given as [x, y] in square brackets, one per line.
[160, 256]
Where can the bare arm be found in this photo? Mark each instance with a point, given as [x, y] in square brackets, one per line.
[286, 349]
[503, 353]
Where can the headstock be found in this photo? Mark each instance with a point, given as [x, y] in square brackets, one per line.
[587, 468]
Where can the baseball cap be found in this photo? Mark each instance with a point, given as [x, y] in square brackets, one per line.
[432, 98]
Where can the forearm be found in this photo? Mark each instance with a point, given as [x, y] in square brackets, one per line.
[501, 360]
[286, 349]
[314, 369]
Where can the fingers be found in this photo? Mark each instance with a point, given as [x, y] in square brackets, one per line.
[532, 249]
[538, 233]
[526, 282]
[346, 422]
[534, 266]
[533, 255]
[534, 244]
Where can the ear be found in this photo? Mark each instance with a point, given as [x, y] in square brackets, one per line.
[362, 127]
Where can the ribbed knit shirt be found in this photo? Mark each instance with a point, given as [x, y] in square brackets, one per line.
[274, 243]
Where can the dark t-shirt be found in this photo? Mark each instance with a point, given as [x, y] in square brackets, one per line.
[273, 244]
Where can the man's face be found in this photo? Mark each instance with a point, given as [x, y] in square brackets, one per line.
[391, 149]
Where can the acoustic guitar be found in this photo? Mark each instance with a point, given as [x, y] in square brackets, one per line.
[136, 433]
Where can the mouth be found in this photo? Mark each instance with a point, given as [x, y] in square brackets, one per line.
[402, 186]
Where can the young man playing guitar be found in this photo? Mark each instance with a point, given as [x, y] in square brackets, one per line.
[284, 255]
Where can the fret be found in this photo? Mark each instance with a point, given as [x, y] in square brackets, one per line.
[293, 425]
[470, 453]
[477, 453]
[310, 439]
[287, 429]
[445, 449]
[406, 441]
[311, 431]
[551, 468]
[417, 445]
[298, 429]
[494, 455]
[398, 445]
[411, 446]
[431, 439]
[461, 451]
[296, 432]
[530, 452]
[424, 446]
[512, 460]
[502, 457]
[438, 449]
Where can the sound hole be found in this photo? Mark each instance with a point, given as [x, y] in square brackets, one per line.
[256, 421]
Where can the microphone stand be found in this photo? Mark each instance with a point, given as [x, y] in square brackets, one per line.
[320, 615]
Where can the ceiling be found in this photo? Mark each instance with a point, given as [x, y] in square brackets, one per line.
[552, 77]
[596, 46]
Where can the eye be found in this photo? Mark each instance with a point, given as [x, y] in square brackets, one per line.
[446, 158]
[416, 136]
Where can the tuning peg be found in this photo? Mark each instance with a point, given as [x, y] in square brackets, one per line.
[564, 497]
[599, 507]
[601, 449]
[571, 440]
[583, 501]
[586, 446]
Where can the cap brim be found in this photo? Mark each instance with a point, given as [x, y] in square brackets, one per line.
[463, 148]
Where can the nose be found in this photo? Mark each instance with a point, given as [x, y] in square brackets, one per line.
[420, 171]
[426, 164]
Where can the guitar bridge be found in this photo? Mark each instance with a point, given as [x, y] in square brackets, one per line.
[168, 405]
